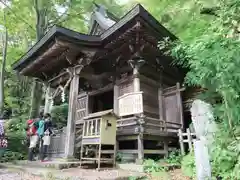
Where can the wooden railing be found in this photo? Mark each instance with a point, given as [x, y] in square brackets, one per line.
[173, 127]
[130, 103]
[91, 127]
[188, 138]
[128, 121]
[155, 124]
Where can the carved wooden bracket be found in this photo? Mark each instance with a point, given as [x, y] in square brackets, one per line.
[136, 63]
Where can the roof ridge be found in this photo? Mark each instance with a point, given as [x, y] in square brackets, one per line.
[109, 14]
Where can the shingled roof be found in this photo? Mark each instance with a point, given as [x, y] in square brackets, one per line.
[45, 57]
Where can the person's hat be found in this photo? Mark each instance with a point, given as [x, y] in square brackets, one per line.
[30, 121]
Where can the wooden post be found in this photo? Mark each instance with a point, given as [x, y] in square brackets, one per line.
[179, 103]
[70, 134]
[115, 98]
[189, 137]
[140, 148]
[180, 135]
[136, 80]
[116, 146]
[136, 63]
[161, 111]
[99, 156]
[165, 144]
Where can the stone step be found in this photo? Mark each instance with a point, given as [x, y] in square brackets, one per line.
[75, 173]
[55, 164]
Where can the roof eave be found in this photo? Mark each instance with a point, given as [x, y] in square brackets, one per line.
[54, 32]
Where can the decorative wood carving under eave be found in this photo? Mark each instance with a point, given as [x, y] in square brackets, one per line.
[49, 58]
[55, 47]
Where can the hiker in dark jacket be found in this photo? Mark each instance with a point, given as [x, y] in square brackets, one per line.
[47, 135]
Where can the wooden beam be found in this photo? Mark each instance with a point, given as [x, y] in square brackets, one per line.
[101, 90]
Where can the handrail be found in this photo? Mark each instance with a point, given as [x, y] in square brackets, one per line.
[128, 94]
[154, 119]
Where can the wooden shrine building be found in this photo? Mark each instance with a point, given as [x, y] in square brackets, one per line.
[118, 66]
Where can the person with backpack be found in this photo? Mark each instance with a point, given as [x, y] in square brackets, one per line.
[47, 135]
[32, 136]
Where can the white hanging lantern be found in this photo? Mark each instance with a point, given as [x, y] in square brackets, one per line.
[51, 104]
[63, 96]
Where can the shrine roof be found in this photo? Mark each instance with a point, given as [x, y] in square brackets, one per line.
[41, 53]
[52, 34]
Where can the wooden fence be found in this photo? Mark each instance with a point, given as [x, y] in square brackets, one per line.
[57, 148]
[186, 138]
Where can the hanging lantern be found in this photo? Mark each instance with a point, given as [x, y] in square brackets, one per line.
[51, 104]
[63, 96]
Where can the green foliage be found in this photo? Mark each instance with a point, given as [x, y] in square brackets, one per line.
[212, 61]
[174, 158]
[10, 156]
[16, 135]
[188, 165]
[225, 153]
[151, 166]
[119, 157]
[190, 25]
[59, 115]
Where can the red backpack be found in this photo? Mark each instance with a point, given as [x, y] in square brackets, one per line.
[32, 130]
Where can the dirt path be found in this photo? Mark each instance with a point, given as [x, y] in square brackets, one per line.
[172, 175]
[6, 174]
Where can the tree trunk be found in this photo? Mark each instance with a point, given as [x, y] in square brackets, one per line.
[36, 95]
[2, 75]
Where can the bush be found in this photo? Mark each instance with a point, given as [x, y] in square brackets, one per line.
[225, 159]
[9, 156]
[16, 136]
[151, 166]
[174, 158]
[188, 165]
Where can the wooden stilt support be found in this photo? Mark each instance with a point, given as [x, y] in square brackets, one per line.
[99, 156]
[165, 144]
[140, 149]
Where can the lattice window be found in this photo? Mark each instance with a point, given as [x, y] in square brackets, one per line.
[81, 107]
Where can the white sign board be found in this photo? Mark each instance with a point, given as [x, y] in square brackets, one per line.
[130, 103]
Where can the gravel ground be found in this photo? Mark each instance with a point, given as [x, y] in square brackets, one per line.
[6, 174]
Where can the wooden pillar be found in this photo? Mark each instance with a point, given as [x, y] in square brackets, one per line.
[165, 145]
[136, 80]
[179, 104]
[136, 87]
[161, 108]
[115, 99]
[70, 131]
[136, 63]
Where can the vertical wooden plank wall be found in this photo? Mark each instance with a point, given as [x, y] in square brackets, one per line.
[125, 87]
[150, 98]
[173, 110]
